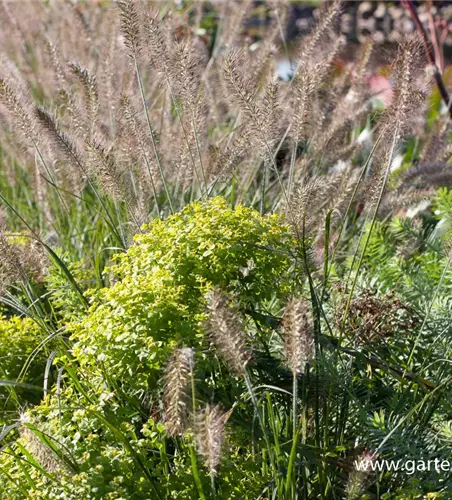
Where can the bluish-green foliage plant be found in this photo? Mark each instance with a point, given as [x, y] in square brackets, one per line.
[409, 254]
[158, 299]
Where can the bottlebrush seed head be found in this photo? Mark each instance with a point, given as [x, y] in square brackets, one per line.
[298, 335]
[226, 330]
[210, 431]
[178, 376]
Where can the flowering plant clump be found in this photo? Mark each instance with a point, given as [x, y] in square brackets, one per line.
[284, 311]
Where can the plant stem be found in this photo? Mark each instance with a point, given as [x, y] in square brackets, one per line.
[194, 462]
[151, 134]
[294, 403]
[194, 468]
[295, 434]
[212, 485]
[290, 467]
[263, 188]
[374, 217]
[261, 423]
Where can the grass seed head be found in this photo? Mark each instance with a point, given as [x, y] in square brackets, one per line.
[210, 434]
[178, 377]
[226, 330]
[298, 335]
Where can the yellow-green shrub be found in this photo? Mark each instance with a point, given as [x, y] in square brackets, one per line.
[158, 300]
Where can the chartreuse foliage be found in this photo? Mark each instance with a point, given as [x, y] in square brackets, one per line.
[158, 300]
[102, 436]
[18, 339]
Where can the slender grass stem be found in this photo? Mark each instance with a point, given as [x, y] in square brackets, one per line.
[194, 468]
[294, 403]
[213, 487]
[350, 203]
[176, 107]
[290, 488]
[374, 217]
[151, 134]
[292, 169]
[193, 459]
[252, 394]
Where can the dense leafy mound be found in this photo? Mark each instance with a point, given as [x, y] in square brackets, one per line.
[17, 341]
[158, 301]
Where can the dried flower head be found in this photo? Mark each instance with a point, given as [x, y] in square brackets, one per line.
[11, 269]
[298, 335]
[130, 25]
[372, 318]
[89, 85]
[17, 108]
[222, 164]
[226, 330]
[63, 144]
[21, 260]
[160, 52]
[240, 85]
[304, 210]
[410, 89]
[178, 376]
[106, 170]
[210, 431]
